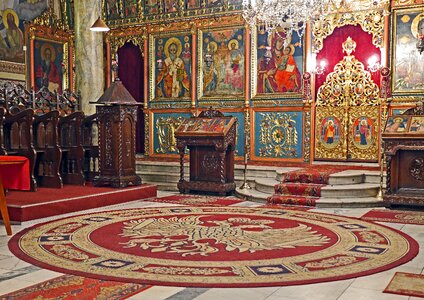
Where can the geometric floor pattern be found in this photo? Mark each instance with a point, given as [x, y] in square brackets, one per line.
[16, 274]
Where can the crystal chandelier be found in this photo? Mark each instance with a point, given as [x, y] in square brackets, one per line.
[293, 15]
[290, 14]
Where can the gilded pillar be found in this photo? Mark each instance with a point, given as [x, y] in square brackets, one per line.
[88, 53]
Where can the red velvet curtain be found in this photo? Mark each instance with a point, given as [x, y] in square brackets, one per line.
[130, 71]
[332, 51]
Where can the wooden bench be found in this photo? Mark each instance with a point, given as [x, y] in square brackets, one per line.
[49, 154]
[18, 139]
[70, 140]
[91, 146]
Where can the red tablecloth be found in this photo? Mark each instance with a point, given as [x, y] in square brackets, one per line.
[14, 172]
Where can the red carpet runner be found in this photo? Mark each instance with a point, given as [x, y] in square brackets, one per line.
[395, 216]
[219, 246]
[407, 284]
[303, 187]
[70, 287]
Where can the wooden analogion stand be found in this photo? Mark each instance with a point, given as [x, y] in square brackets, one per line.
[404, 149]
[211, 141]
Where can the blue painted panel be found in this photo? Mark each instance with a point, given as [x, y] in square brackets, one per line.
[239, 151]
[278, 134]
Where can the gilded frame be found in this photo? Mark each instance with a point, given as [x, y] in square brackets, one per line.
[181, 38]
[12, 44]
[236, 38]
[406, 61]
[54, 34]
[260, 40]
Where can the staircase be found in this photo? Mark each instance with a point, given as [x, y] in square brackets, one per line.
[351, 188]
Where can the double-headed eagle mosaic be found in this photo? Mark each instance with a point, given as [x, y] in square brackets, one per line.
[201, 235]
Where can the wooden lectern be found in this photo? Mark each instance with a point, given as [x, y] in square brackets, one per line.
[404, 149]
[117, 117]
[211, 141]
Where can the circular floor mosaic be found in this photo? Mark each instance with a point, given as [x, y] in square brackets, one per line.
[214, 246]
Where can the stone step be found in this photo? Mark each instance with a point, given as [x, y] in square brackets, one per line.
[260, 197]
[159, 166]
[348, 177]
[162, 186]
[359, 190]
[169, 177]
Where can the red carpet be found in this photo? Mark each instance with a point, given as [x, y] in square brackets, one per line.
[303, 186]
[214, 246]
[196, 200]
[395, 216]
[312, 174]
[69, 287]
[407, 284]
[291, 200]
[298, 189]
[46, 202]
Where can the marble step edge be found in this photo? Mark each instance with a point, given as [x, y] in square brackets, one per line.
[156, 165]
[173, 178]
[162, 186]
[259, 197]
[347, 177]
[267, 186]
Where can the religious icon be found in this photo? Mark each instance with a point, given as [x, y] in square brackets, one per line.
[130, 8]
[278, 63]
[417, 124]
[173, 69]
[407, 61]
[223, 68]
[151, 6]
[11, 37]
[48, 59]
[330, 131]
[112, 9]
[363, 132]
[190, 4]
[397, 124]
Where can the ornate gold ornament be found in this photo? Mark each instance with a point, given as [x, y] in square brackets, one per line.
[165, 132]
[119, 36]
[403, 2]
[348, 112]
[278, 135]
[146, 133]
[9, 67]
[49, 19]
[371, 21]
[307, 137]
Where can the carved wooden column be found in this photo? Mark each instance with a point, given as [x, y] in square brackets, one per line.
[117, 118]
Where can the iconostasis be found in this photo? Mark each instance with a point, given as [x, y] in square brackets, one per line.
[296, 98]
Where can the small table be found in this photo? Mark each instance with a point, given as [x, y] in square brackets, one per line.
[14, 174]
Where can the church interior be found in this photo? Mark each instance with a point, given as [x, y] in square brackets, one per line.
[212, 149]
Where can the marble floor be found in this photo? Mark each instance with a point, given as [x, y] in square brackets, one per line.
[16, 274]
